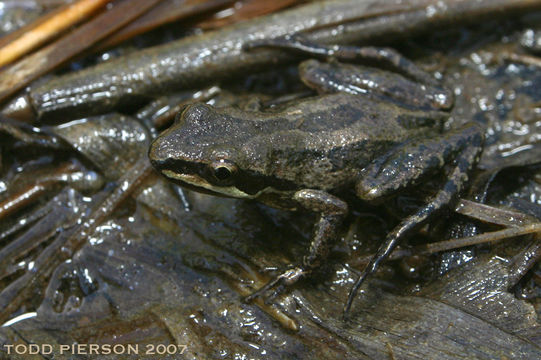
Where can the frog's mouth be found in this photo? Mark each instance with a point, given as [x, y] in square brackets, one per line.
[200, 183]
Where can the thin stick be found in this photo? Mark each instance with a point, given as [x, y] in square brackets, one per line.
[492, 214]
[479, 239]
[24, 198]
[453, 244]
[163, 13]
[21, 73]
[521, 58]
[249, 9]
[33, 36]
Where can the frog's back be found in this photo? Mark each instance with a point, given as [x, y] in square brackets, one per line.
[325, 142]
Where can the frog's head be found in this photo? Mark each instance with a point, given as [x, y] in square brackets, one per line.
[206, 149]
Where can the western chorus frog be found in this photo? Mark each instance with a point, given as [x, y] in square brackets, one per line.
[371, 132]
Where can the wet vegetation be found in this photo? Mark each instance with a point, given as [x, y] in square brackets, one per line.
[98, 248]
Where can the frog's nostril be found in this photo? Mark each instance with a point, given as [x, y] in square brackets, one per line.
[158, 153]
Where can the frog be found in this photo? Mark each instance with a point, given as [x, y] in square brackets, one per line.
[367, 131]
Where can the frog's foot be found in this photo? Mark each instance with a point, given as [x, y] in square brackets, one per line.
[333, 77]
[465, 153]
[293, 42]
[30, 135]
[379, 57]
[332, 210]
[287, 278]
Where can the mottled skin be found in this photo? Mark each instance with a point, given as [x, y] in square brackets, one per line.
[360, 138]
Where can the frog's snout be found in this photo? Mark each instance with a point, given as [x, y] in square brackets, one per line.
[158, 153]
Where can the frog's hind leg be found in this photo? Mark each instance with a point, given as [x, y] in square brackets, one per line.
[411, 162]
[402, 84]
[466, 151]
[378, 56]
[332, 211]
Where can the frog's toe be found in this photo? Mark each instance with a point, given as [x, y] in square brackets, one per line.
[285, 41]
[369, 190]
[281, 281]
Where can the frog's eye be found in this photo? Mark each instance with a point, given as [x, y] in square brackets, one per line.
[223, 170]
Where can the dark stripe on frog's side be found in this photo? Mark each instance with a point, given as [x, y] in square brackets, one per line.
[320, 143]
[247, 181]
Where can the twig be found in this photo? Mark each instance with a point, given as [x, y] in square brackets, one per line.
[493, 215]
[521, 58]
[453, 244]
[247, 10]
[478, 239]
[21, 73]
[32, 36]
[165, 12]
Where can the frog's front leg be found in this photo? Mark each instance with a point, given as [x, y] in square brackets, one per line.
[388, 175]
[378, 56]
[332, 212]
